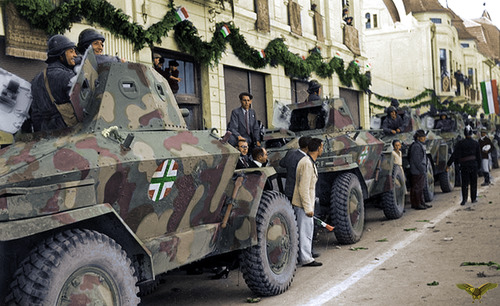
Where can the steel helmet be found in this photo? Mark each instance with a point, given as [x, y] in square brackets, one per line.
[58, 44]
[86, 38]
[390, 109]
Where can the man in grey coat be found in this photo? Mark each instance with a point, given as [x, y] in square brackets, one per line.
[243, 123]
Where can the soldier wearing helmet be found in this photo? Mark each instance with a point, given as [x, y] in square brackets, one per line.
[486, 147]
[393, 123]
[51, 107]
[467, 154]
[91, 37]
[445, 124]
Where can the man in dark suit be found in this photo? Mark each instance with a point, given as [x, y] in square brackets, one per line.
[243, 123]
[259, 159]
[243, 159]
[290, 161]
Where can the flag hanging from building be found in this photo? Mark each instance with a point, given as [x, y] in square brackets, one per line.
[489, 92]
[225, 30]
[182, 14]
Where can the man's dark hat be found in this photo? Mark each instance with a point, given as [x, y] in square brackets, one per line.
[314, 86]
[173, 64]
[394, 102]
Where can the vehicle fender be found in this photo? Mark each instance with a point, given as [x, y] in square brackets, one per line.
[383, 181]
[241, 230]
[23, 233]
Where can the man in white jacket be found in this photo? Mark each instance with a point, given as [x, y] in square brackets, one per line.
[304, 196]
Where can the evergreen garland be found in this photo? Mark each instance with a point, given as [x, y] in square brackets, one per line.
[434, 101]
[42, 14]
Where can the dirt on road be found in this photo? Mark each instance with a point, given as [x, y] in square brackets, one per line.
[416, 260]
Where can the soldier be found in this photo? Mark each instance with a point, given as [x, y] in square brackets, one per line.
[158, 61]
[445, 124]
[486, 146]
[467, 154]
[418, 169]
[91, 37]
[314, 91]
[393, 123]
[51, 107]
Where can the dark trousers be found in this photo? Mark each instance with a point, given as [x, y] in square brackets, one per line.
[417, 190]
[469, 177]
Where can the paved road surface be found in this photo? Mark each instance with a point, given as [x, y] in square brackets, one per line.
[393, 272]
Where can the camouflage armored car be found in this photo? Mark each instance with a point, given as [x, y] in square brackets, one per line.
[92, 212]
[354, 166]
[437, 150]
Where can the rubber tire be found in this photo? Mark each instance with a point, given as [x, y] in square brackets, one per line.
[149, 287]
[394, 208]
[41, 276]
[344, 188]
[447, 179]
[254, 261]
[429, 188]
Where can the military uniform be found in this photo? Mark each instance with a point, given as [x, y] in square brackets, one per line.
[390, 124]
[467, 154]
[445, 125]
[44, 113]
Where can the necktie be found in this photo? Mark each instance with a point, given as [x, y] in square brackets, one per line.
[246, 122]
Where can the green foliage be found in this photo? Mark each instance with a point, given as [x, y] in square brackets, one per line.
[42, 14]
[434, 101]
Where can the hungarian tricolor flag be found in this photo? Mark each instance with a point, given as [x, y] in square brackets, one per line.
[181, 14]
[225, 31]
[489, 92]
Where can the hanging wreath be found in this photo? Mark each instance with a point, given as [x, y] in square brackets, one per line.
[42, 14]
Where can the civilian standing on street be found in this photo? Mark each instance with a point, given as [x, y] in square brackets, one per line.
[486, 146]
[467, 154]
[290, 161]
[304, 197]
[398, 155]
[418, 169]
[243, 123]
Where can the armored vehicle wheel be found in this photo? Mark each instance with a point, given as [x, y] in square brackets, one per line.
[75, 267]
[447, 179]
[269, 267]
[347, 208]
[393, 201]
[429, 186]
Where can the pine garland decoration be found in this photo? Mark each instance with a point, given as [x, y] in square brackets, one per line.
[434, 101]
[42, 14]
